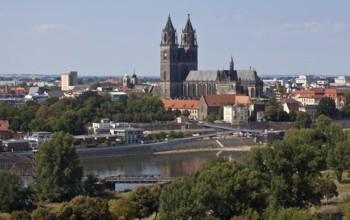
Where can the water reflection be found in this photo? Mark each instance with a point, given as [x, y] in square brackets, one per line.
[171, 165]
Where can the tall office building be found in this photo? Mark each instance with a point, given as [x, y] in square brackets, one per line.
[69, 80]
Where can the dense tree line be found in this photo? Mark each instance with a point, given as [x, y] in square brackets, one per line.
[73, 115]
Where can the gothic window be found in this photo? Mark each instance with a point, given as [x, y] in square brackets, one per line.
[165, 38]
[252, 92]
[164, 75]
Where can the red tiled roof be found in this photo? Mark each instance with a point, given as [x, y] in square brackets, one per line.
[327, 92]
[180, 104]
[4, 125]
[227, 99]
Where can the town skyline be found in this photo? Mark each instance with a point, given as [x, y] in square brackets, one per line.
[114, 38]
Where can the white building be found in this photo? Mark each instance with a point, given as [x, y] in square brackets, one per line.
[36, 138]
[128, 135]
[304, 80]
[236, 114]
[69, 80]
[342, 80]
[122, 130]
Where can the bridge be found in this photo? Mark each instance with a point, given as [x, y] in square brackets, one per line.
[19, 165]
[147, 179]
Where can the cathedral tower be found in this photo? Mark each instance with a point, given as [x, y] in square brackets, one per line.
[189, 59]
[177, 61]
[169, 80]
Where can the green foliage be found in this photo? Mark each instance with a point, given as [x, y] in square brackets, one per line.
[186, 113]
[73, 114]
[322, 122]
[213, 117]
[43, 214]
[271, 110]
[57, 169]
[223, 188]
[339, 158]
[291, 214]
[334, 134]
[274, 112]
[346, 211]
[178, 201]
[303, 120]
[328, 188]
[89, 185]
[327, 107]
[291, 171]
[145, 201]
[20, 215]
[13, 195]
[83, 207]
[122, 209]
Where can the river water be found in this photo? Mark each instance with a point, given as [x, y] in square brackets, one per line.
[166, 165]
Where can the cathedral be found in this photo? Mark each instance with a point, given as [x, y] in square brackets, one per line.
[181, 79]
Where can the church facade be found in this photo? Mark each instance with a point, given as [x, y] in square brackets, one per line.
[181, 79]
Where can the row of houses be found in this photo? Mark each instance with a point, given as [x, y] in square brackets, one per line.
[308, 100]
[236, 108]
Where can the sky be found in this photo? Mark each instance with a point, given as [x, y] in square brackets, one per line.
[112, 37]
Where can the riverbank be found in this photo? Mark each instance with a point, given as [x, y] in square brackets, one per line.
[169, 147]
[227, 149]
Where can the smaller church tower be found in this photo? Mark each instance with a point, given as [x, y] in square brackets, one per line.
[134, 80]
[126, 81]
[232, 72]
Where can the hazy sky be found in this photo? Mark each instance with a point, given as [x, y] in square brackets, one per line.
[113, 37]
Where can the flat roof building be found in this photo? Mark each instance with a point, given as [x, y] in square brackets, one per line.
[69, 80]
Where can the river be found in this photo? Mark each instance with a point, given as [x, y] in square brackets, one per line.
[166, 165]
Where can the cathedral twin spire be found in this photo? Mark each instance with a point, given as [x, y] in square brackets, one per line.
[169, 36]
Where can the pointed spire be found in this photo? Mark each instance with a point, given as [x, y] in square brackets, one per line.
[188, 27]
[188, 34]
[169, 36]
[231, 64]
[169, 25]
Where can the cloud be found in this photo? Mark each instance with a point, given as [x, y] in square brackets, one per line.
[2, 14]
[49, 27]
[313, 27]
[238, 17]
[221, 19]
[304, 27]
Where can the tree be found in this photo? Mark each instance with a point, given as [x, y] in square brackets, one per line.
[339, 158]
[271, 110]
[227, 189]
[328, 188]
[178, 201]
[291, 214]
[89, 185]
[223, 188]
[121, 209]
[13, 195]
[322, 122]
[43, 213]
[20, 215]
[57, 168]
[144, 201]
[186, 113]
[84, 207]
[291, 169]
[303, 120]
[327, 107]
